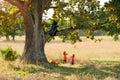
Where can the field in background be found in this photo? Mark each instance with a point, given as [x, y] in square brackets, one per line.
[105, 67]
[107, 49]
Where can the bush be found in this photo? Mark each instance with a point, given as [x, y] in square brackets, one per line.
[9, 54]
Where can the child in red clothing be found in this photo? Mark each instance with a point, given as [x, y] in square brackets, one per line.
[72, 59]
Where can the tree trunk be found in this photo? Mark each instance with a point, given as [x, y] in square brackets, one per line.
[34, 47]
[7, 38]
[13, 34]
[13, 38]
[35, 37]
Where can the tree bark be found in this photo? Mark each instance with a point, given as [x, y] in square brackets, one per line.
[35, 37]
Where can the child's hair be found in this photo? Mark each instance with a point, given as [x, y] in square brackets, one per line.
[64, 53]
[73, 55]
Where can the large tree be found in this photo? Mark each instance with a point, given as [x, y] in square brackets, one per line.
[35, 40]
[75, 13]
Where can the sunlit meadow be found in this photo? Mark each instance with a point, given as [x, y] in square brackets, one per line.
[93, 61]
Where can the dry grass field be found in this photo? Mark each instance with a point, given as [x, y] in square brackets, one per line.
[88, 49]
[106, 53]
[107, 49]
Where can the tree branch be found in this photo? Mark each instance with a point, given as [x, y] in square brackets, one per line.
[65, 31]
[62, 32]
[16, 3]
[54, 7]
[20, 5]
[28, 2]
[46, 3]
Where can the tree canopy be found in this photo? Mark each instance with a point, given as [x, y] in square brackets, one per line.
[79, 15]
[11, 21]
[113, 15]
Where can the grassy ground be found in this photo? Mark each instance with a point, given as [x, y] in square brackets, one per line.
[94, 61]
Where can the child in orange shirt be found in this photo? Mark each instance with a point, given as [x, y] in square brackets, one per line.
[64, 57]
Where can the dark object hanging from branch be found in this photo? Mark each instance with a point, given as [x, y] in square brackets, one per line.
[53, 30]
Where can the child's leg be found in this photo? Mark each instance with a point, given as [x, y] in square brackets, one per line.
[64, 61]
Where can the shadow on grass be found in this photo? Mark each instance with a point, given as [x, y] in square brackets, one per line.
[87, 70]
